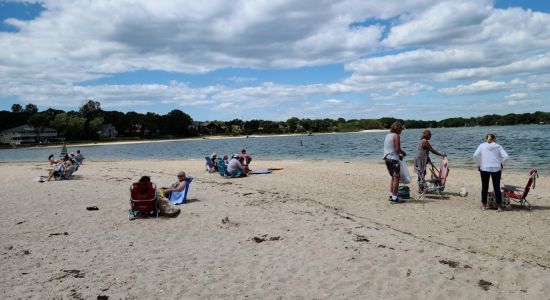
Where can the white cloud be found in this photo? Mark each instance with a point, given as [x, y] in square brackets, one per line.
[404, 50]
[332, 101]
[447, 21]
[240, 79]
[478, 87]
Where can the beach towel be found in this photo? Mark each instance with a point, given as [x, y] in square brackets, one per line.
[443, 170]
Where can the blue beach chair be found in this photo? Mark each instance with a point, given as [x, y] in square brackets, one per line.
[208, 163]
[177, 198]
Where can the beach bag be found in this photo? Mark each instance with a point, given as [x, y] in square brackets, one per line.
[405, 175]
[492, 202]
[166, 208]
[404, 192]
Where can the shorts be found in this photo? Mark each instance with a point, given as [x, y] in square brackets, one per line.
[394, 167]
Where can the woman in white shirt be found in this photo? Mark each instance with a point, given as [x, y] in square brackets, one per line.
[490, 157]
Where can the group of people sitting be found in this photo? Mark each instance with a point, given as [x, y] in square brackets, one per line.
[236, 166]
[63, 168]
[164, 194]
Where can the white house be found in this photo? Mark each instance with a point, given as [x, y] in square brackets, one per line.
[108, 131]
[27, 134]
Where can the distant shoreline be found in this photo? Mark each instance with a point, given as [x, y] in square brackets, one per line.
[213, 137]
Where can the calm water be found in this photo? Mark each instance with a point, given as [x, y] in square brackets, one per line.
[527, 146]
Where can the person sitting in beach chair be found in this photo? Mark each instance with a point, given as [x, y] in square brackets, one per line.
[234, 166]
[78, 157]
[162, 205]
[69, 168]
[52, 160]
[245, 159]
[63, 169]
[212, 163]
[177, 192]
[143, 198]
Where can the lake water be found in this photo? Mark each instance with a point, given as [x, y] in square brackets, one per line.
[527, 146]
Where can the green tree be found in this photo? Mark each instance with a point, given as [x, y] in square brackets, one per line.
[70, 127]
[31, 109]
[292, 124]
[95, 125]
[16, 108]
[90, 109]
[179, 122]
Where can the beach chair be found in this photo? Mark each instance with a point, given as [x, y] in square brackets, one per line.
[67, 175]
[177, 198]
[143, 199]
[208, 163]
[517, 194]
[438, 178]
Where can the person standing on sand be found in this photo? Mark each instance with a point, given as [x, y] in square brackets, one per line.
[490, 157]
[392, 156]
[422, 158]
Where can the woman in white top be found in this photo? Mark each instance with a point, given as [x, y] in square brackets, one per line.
[392, 156]
[490, 157]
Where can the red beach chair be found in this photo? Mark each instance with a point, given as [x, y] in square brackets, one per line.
[143, 199]
[518, 194]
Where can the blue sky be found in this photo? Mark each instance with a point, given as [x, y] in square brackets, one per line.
[411, 59]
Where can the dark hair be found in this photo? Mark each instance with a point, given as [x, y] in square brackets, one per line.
[78, 151]
[145, 179]
[243, 151]
[51, 155]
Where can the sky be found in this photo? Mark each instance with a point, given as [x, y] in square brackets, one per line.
[277, 59]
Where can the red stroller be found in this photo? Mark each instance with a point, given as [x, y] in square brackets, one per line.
[143, 199]
[518, 194]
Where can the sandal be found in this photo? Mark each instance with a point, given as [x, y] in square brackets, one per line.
[483, 207]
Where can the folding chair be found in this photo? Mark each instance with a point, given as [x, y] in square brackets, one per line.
[518, 194]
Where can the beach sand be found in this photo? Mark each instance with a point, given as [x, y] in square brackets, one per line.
[314, 230]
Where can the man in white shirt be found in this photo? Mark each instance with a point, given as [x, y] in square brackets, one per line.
[234, 165]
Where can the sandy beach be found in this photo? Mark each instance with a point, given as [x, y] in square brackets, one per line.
[313, 230]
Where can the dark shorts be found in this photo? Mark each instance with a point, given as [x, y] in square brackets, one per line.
[394, 167]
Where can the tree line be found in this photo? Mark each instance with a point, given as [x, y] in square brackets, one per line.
[86, 123]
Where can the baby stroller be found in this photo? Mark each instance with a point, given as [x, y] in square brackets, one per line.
[143, 199]
[438, 178]
[518, 194]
